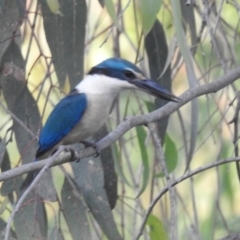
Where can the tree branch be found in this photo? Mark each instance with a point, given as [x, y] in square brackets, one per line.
[131, 122]
[179, 180]
[49, 161]
[172, 228]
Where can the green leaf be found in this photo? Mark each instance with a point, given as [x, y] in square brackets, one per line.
[20, 101]
[67, 56]
[54, 6]
[101, 3]
[171, 155]
[157, 231]
[150, 106]
[30, 221]
[208, 225]
[117, 163]
[2, 150]
[109, 173]
[157, 51]
[111, 10]
[226, 176]
[7, 186]
[75, 213]
[3, 225]
[56, 234]
[141, 135]
[227, 188]
[189, 19]
[90, 179]
[149, 11]
[9, 18]
[192, 79]
[126, 106]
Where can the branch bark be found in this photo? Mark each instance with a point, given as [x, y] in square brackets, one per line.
[131, 122]
[49, 161]
[177, 181]
[172, 228]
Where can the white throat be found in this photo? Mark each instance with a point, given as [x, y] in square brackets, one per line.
[101, 92]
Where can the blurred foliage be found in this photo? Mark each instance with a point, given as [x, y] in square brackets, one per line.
[44, 52]
[157, 231]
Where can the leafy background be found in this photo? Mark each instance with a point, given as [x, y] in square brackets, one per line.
[45, 48]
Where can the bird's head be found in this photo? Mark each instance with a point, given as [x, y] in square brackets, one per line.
[131, 77]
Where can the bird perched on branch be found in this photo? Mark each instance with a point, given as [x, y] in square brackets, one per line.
[86, 108]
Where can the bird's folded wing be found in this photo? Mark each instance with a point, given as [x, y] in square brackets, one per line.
[66, 114]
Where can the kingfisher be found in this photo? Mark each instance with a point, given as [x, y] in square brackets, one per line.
[85, 109]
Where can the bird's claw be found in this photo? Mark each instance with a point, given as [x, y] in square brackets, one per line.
[97, 153]
[73, 154]
[93, 145]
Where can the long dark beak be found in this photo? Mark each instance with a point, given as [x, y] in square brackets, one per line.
[150, 86]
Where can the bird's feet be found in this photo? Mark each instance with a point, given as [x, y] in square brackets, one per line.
[93, 145]
[73, 154]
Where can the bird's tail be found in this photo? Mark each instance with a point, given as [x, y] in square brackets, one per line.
[30, 177]
[28, 180]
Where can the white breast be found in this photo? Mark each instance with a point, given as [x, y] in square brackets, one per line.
[101, 91]
[93, 119]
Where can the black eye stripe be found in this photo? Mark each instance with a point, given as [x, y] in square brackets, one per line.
[114, 73]
[129, 74]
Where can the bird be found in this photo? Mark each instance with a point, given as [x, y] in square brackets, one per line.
[85, 109]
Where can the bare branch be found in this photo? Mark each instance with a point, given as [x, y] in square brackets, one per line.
[131, 122]
[231, 237]
[179, 180]
[18, 120]
[49, 161]
[62, 158]
[235, 138]
[157, 141]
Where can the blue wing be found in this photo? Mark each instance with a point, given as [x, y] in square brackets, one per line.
[66, 114]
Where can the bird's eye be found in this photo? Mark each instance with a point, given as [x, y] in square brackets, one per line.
[129, 74]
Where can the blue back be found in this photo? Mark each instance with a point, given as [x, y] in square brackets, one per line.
[66, 114]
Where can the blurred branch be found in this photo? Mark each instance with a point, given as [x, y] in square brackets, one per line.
[234, 236]
[172, 200]
[179, 180]
[17, 120]
[131, 122]
[48, 163]
[235, 138]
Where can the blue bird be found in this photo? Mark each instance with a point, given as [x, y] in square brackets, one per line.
[86, 108]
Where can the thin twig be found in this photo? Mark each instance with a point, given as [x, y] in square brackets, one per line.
[49, 161]
[235, 138]
[179, 180]
[118, 17]
[15, 118]
[157, 142]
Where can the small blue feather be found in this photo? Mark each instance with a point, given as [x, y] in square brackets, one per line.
[66, 114]
[118, 64]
